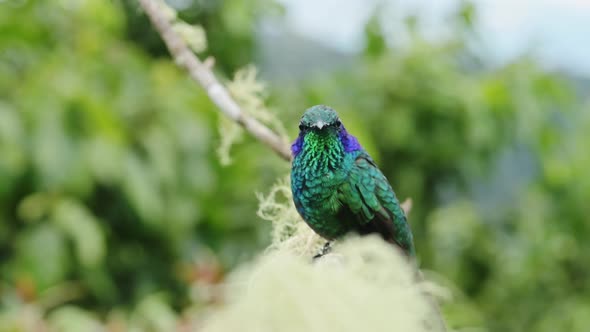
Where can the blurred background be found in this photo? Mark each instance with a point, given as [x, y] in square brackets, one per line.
[115, 210]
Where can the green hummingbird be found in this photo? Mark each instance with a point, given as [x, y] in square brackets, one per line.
[337, 187]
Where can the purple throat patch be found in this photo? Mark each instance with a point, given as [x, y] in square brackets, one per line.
[349, 142]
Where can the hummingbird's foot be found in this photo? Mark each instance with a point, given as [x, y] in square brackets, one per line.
[325, 250]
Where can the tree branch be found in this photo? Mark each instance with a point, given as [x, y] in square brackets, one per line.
[202, 73]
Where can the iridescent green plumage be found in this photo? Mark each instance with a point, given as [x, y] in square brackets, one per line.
[337, 188]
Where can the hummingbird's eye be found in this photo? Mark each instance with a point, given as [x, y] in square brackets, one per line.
[301, 126]
[337, 123]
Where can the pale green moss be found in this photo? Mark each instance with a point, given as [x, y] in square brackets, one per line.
[362, 285]
[249, 93]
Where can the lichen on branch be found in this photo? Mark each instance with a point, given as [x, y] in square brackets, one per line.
[363, 286]
[164, 19]
[249, 93]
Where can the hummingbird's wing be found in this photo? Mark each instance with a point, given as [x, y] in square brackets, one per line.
[368, 196]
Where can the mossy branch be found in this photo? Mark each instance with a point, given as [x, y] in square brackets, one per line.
[201, 72]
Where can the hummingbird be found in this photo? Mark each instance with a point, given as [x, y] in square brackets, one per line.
[337, 187]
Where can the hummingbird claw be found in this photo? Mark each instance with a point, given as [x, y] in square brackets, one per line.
[325, 250]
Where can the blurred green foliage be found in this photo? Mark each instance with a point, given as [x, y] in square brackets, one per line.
[108, 174]
[111, 194]
[492, 158]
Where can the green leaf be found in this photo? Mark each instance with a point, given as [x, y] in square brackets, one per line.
[84, 230]
[42, 255]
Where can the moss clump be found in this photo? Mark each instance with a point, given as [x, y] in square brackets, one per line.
[362, 285]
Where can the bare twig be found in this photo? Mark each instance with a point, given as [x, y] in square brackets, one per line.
[201, 72]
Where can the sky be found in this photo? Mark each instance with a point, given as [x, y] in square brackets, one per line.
[557, 32]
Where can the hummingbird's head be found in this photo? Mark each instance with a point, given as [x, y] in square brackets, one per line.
[320, 128]
[320, 118]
